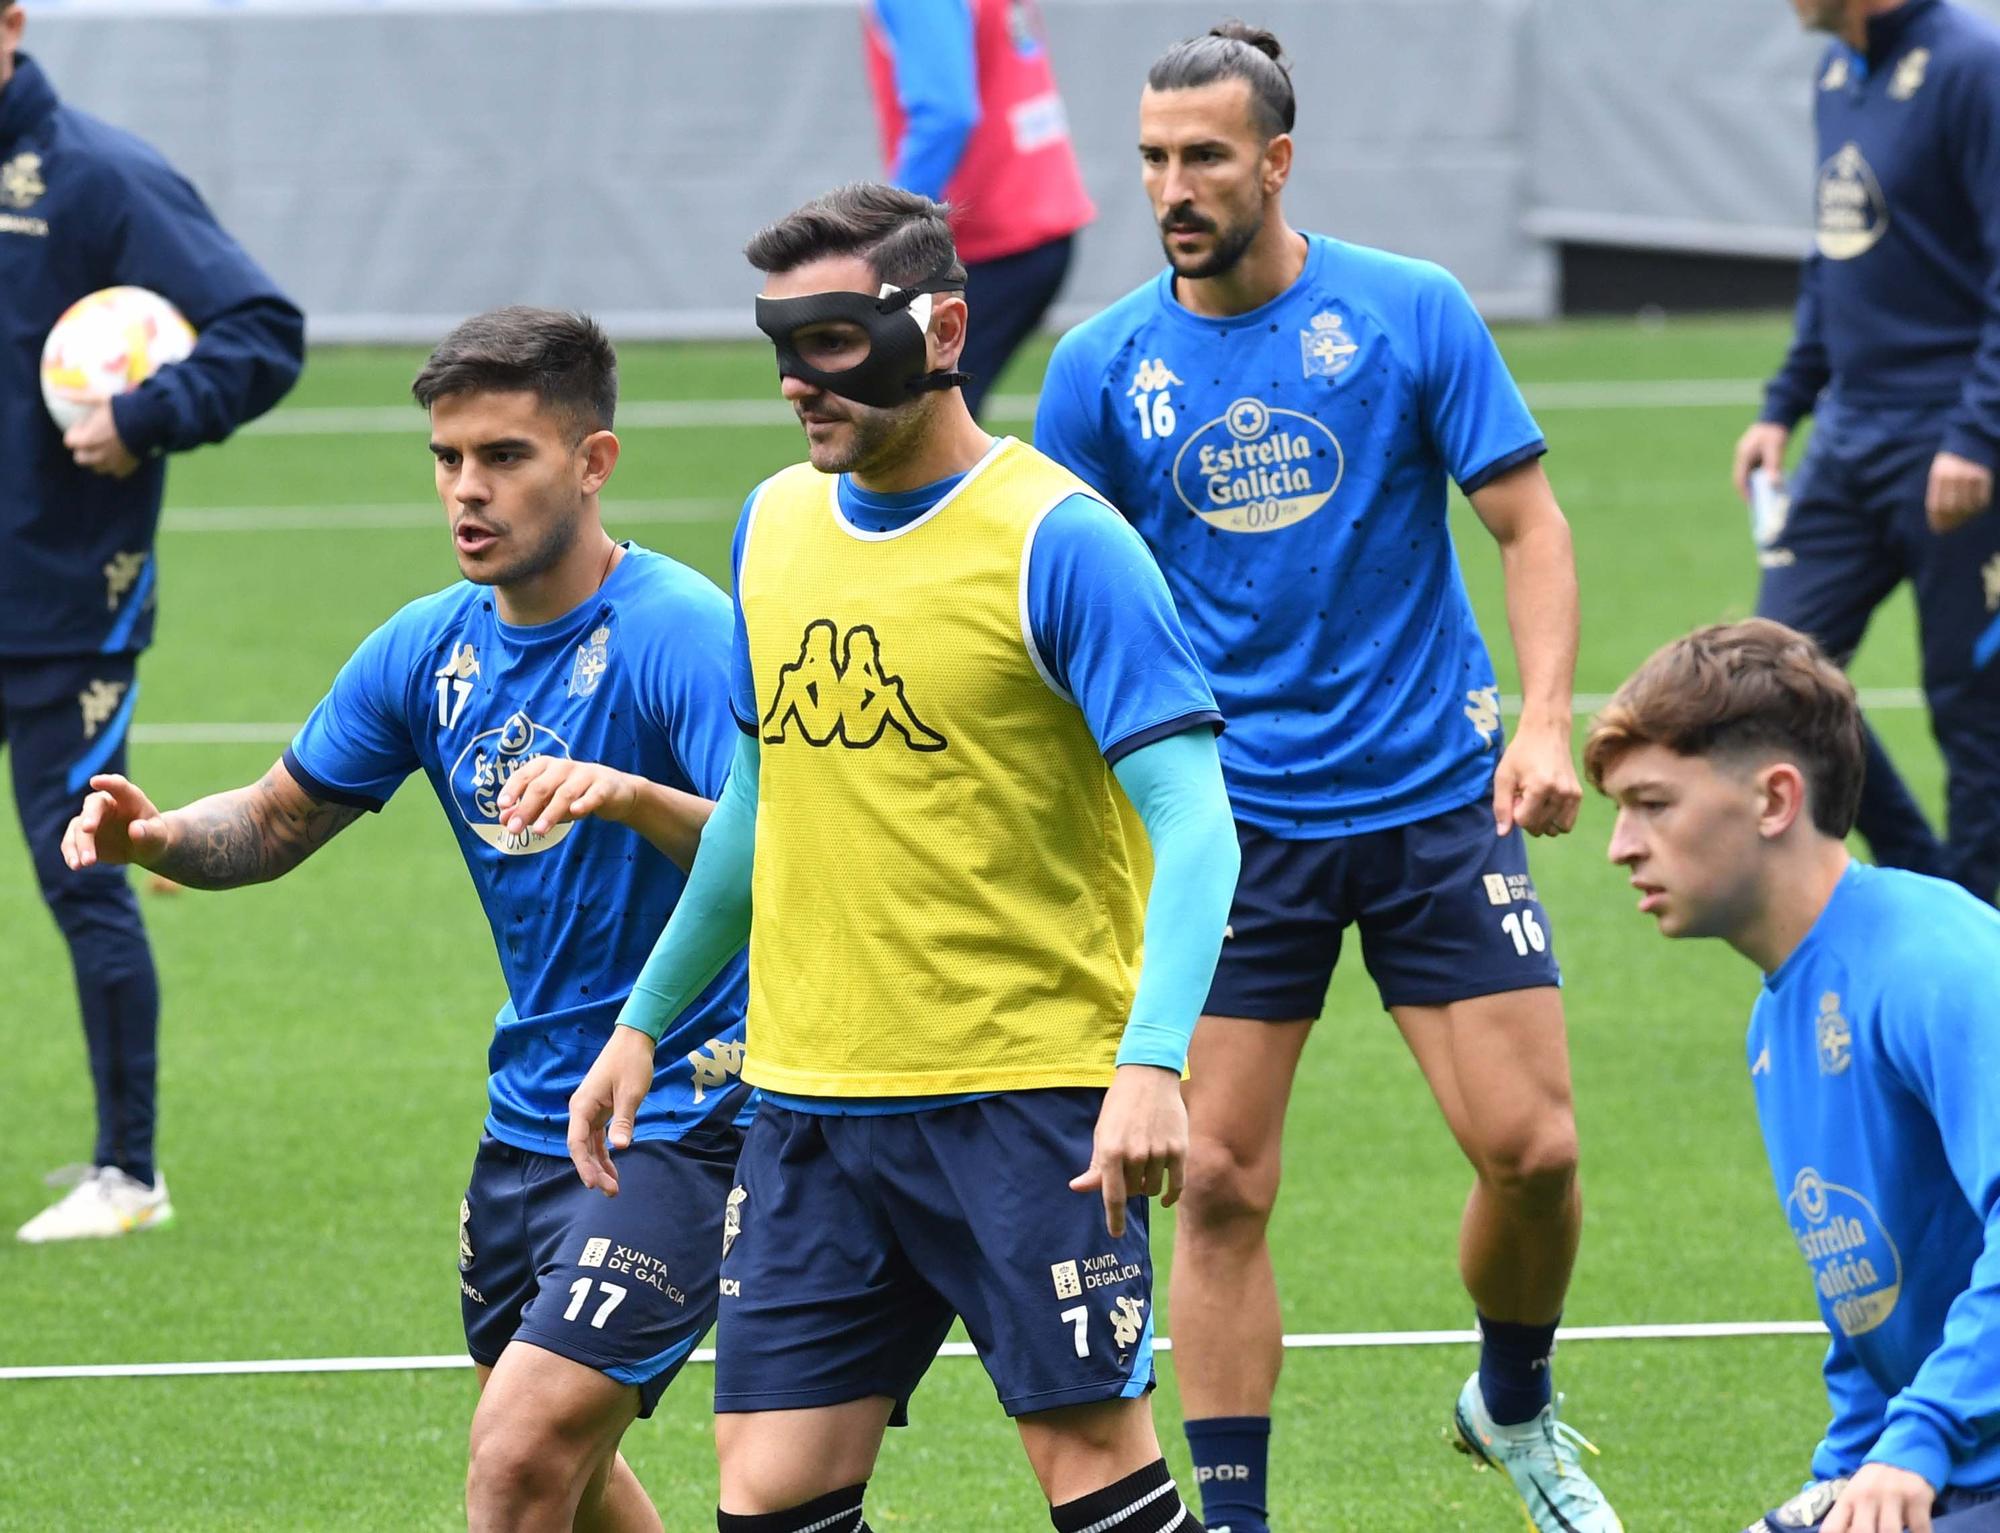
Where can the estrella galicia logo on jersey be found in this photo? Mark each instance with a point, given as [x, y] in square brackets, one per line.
[1256, 469]
[21, 184]
[482, 770]
[850, 698]
[1327, 349]
[1836, 1038]
[592, 660]
[1855, 1265]
[1853, 214]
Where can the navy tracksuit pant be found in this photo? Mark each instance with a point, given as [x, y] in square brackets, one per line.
[1856, 529]
[61, 720]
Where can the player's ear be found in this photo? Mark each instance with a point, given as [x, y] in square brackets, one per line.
[1781, 798]
[1277, 164]
[600, 456]
[949, 318]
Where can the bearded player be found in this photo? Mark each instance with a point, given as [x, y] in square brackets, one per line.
[1280, 414]
[971, 1083]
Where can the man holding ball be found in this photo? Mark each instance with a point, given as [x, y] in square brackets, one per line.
[84, 206]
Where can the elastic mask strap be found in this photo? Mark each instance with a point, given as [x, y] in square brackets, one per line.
[916, 298]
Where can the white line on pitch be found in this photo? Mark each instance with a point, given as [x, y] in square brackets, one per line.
[419, 514]
[1306, 1342]
[727, 414]
[1878, 699]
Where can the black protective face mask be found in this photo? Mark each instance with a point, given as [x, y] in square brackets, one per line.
[895, 323]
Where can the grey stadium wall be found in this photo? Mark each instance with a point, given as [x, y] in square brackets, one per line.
[400, 163]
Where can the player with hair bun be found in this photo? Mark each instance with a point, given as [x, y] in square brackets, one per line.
[1280, 414]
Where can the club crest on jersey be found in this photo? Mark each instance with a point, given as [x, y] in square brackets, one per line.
[21, 184]
[589, 666]
[1853, 214]
[482, 770]
[1256, 468]
[847, 698]
[1328, 351]
[1836, 1038]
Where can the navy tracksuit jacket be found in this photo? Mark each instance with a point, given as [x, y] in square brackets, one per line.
[1898, 353]
[84, 206]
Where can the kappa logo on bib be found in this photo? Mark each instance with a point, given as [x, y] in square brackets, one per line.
[1256, 469]
[482, 770]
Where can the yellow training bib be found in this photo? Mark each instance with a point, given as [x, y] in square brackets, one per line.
[949, 883]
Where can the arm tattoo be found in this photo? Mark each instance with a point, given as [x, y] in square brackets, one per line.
[249, 836]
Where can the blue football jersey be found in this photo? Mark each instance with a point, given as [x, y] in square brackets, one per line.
[1288, 468]
[1873, 1051]
[637, 678]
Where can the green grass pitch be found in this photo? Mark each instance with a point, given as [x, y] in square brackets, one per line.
[324, 1046]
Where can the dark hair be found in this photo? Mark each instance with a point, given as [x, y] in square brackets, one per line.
[563, 359]
[1738, 689]
[903, 236]
[1233, 51]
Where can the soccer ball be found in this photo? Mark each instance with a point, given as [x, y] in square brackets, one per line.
[108, 342]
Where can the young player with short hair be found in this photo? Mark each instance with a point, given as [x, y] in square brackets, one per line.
[1734, 757]
[1279, 414]
[972, 729]
[570, 691]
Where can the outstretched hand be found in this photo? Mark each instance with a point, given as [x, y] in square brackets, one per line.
[118, 824]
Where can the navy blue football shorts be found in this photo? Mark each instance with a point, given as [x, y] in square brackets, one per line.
[625, 1285]
[1445, 907]
[853, 1242]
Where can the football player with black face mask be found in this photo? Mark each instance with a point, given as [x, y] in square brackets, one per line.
[977, 836]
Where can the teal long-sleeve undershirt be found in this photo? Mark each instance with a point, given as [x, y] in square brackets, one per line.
[1176, 786]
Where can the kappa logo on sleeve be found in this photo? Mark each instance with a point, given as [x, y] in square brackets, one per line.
[847, 698]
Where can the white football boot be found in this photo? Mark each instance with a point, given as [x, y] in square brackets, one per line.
[106, 1203]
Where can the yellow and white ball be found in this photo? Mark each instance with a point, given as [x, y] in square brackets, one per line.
[106, 343]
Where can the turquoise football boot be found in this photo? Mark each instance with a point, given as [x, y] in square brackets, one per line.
[1540, 1456]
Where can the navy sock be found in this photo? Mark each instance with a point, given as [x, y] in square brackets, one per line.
[836, 1512]
[1231, 1462]
[1514, 1366]
[1145, 1501]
